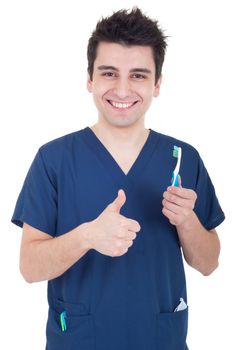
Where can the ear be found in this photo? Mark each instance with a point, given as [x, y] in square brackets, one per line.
[157, 87]
[89, 84]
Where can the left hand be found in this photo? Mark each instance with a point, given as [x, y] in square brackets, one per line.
[178, 204]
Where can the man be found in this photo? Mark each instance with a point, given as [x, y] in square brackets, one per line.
[101, 221]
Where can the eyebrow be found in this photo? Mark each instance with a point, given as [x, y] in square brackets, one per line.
[134, 70]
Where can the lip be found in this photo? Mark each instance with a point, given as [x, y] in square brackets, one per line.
[121, 105]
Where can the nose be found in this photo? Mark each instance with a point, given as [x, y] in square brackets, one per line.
[122, 88]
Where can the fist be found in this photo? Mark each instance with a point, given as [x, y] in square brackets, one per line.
[112, 233]
[178, 204]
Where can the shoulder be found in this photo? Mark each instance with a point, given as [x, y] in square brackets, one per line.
[167, 142]
[57, 148]
[62, 142]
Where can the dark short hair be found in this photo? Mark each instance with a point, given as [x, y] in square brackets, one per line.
[128, 28]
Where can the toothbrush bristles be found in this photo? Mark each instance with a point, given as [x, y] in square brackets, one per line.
[175, 151]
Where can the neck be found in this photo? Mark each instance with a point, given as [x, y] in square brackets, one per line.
[125, 138]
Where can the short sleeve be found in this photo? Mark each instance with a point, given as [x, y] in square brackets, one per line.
[37, 201]
[207, 206]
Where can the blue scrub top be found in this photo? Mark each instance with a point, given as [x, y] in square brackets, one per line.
[126, 302]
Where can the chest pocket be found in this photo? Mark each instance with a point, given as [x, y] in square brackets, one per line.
[172, 330]
[69, 327]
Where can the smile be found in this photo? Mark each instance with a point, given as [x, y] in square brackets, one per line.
[120, 105]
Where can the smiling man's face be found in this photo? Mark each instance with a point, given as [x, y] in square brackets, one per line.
[123, 83]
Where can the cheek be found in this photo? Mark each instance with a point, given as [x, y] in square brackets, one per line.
[98, 97]
[99, 89]
[147, 91]
[148, 96]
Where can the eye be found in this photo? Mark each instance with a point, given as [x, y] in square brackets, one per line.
[108, 74]
[138, 76]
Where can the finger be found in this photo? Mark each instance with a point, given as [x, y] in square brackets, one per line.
[179, 181]
[173, 207]
[132, 225]
[182, 192]
[118, 202]
[182, 202]
[129, 244]
[172, 217]
[130, 236]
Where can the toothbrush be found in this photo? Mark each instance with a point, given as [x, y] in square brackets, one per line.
[177, 153]
[63, 321]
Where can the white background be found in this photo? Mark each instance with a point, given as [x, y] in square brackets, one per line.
[43, 96]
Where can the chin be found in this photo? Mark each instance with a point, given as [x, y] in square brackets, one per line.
[121, 122]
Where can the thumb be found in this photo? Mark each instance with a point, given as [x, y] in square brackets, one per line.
[179, 181]
[118, 202]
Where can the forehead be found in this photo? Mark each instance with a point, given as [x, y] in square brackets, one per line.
[124, 57]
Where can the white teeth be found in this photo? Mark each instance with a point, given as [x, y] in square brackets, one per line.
[121, 105]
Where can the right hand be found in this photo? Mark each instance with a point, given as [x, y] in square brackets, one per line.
[112, 233]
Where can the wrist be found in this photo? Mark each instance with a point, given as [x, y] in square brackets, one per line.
[86, 231]
[188, 223]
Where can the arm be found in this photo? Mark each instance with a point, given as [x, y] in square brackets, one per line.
[201, 248]
[43, 257]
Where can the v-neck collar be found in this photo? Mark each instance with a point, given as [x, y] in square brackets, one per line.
[111, 164]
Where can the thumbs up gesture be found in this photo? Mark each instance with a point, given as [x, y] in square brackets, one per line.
[112, 233]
